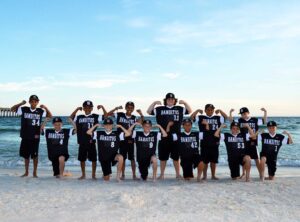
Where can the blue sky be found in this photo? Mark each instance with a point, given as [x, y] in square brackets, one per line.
[229, 53]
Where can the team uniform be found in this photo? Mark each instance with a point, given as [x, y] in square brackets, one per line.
[126, 146]
[87, 146]
[270, 149]
[57, 145]
[188, 147]
[146, 148]
[236, 151]
[108, 146]
[164, 115]
[30, 131]
[209, 145]
[251, 145]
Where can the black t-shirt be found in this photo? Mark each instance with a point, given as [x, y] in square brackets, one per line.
[124, 120]
[108, 144]
[31, 121]
[254, 124]
[214, 123]
[235, 144]
[57, 142]
[272, 144]
[145, 144]
[188, 143]
[165, 114]
[83, 124]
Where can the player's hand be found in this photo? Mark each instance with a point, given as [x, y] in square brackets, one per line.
[204, 122]
[79, 108]
[170, 123]
[119, 107]
[118, 126]
[217, 111]
[139, 111]
[246, 125]
[43, 106]
[99, 107]
[285, 132]
[182, 102]
[223, 126]
[23, 102]
[231, 111]
[263, 109]
[157, 102]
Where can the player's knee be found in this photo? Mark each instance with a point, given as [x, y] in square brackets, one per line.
[120, 158]
[61, 159]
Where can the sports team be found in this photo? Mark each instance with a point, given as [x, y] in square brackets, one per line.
[113, 136]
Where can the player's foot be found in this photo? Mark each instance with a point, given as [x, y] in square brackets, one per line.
[82, 177]
[154, 179]
[67, 174]
[94, 178]
[135, 178]
[200, 180]
[35, 175]
[243, 175]
[161, 177]
[214, 178]
[247, 180]
[179, 177]
[25, 175]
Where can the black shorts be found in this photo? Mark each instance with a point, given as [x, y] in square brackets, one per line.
[210, 154]
[127, 149]
[144, 164]
[87, 151]
[107, 164]
[271, 163]
[234, 166]
[168, 148]
[29, 148]
[251, 150]
[188, 164]
[55, 163]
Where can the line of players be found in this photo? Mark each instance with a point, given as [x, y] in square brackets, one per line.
[175, 139]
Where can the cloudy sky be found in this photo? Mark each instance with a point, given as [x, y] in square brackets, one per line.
[230, 53]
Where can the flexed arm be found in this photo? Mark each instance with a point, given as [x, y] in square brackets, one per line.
[230, 115]
[194, 114]
[48, 113]
[163, 132]
[72, 116]
[91, 130]
[265, 117]
[16, 107]
[186, 105]
[152, 106]
[289, 136]
[218, 132]
[126, 132]
[104, 110]
[111, 112]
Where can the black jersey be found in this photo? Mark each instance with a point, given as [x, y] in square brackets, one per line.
[165, 114]
[145, 144]
[57, 142]
[214, 123]
[235, 144]
[188, 143]
[124, 120]
[272, 144]
[253, 122]
[83, 124]
[30, 122]
[108, 144]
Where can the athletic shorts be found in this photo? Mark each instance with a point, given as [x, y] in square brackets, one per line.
[127, 149]
[210, 154]
[271, 163]
[251, 150]
[144, 164]
[29, 148]
[234, 166]
[168, 148]
[55, 163]
[188, 164]
[87, 151]
[107, 164]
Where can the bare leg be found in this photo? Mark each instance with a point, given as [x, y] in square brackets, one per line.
[262, 168]
[200, 170]
[94, 166]
[213, 167]
[205, 172]
[35, 164]
[133, 168]
[163, 164]
[154, 167]
[257, 162]
[176, 164]
[82, 165]
[120, 160]
[244, 172]
[61, 160]
[123, 170]
[247, 165]
[26, 168]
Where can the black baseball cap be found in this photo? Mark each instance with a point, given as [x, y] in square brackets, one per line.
[188, 120]
[34, 97]
[108, 121]
[209, 106]
[57, 120]
[244, 110]
[271, 123]
[87, 103]
[129, 103]
[234, 124]
[170, 96]
[147, 121]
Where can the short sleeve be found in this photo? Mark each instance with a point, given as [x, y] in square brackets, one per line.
[100, 118]
[116, 115]
[133, 134]
[20, 111]
[285, 140]
[222, 120]
[175, 137]
[201, 136]
[43, 132]
[72, 132]
[247, 137]
[122, 136]
[185, 112]
[154, 111]
[75, 119]
[259, 138]
[260, 122]
[222, 137]
[158, 136]
[44, 113]
[95, 135]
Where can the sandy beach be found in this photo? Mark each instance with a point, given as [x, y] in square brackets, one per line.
[50, 199]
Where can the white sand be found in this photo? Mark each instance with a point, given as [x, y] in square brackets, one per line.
[50, 199]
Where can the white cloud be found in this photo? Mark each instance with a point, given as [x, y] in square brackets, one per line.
[171, 75]
[137, 23]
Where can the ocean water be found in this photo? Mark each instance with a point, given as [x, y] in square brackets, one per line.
[289, 155]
